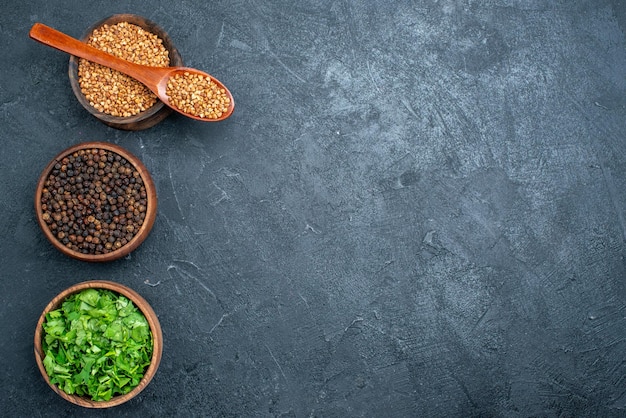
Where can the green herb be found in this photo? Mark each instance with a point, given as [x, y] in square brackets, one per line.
[97, 344]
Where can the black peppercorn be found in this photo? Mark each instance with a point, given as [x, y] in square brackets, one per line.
[90, 197]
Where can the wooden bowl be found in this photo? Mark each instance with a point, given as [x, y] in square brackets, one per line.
[150, 211]
[140, 303]
[147, 118]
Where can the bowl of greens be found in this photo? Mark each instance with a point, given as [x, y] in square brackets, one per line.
[98, 344]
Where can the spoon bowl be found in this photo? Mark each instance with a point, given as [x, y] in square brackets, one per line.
[155, 78]
[144, 119]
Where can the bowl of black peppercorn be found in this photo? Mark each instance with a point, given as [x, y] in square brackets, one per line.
[95, 202]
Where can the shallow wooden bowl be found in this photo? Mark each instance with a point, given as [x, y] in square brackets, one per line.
[151, 207]
[147, 118]
[140, 303]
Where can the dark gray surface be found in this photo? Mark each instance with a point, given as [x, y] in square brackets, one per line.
[416, 209]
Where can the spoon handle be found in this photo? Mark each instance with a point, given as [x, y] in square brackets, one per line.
[55, 39]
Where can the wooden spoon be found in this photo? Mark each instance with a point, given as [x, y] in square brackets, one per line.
[155, 78]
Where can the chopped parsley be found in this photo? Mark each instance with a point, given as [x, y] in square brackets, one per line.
[98, 344]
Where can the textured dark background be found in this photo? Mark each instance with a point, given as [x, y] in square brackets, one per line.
[417, 209]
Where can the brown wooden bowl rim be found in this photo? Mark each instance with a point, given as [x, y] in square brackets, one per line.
[141, 304]
[159, 106]
[151, 206]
